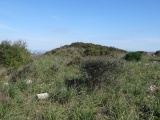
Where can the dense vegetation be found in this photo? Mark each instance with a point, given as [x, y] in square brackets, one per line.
[157, 53]
[82, 86]
[13, 55]
[133, 56]
[89, 49]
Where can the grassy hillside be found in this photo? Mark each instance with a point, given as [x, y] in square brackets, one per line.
[88, 49]
[84, 82]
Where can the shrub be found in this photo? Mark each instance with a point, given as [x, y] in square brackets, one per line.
[157, 53]
[100, 71]
[13, 54]
[74, 61]
[133, 56]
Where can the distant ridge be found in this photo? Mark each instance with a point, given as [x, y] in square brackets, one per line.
[88, 49]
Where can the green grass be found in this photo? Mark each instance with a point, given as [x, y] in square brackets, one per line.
[129, 99]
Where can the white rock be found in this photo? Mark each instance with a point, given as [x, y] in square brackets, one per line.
[154, 61]
[28, 81]
[139, 63]
[152, 88]
[6, 83]
[43, 96]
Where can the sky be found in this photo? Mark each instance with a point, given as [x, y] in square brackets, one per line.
[132, 25]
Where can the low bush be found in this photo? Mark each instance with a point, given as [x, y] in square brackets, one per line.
[74, 61]
[101, 71]
[157, 53]
[13, 54]
[133, 56]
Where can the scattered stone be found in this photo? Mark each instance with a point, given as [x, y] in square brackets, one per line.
[152, 88]
[6, 83]
[43, 96]
[154, 61]
[139, 63]
[28, 81]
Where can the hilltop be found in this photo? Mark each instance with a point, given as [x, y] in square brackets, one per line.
[87, 49]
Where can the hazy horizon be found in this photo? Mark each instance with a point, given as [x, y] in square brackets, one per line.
[131, 25]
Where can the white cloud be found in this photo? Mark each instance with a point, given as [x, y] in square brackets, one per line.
[5, 27]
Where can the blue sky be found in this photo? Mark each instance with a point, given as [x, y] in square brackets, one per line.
[47, 24]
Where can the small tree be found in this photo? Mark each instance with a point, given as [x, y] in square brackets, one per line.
[13, 54]
[133, 56]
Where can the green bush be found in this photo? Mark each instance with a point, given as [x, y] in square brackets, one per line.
[101, 71]
[75, 61]
[157, 53]
[133, 56]
[13, 54]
